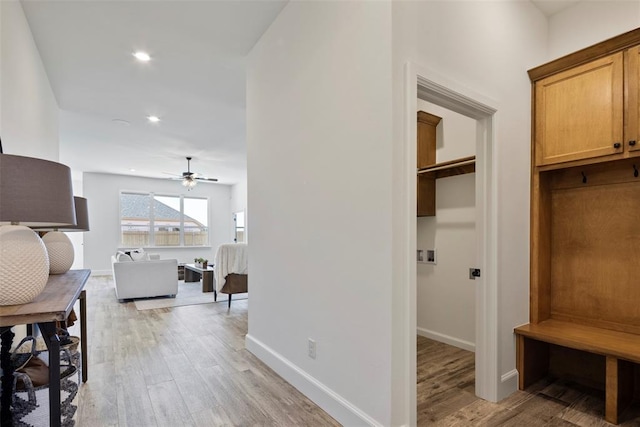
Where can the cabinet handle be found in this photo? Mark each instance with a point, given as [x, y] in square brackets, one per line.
[617, 145]
[632, 143]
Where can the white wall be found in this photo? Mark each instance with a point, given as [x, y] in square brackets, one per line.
[239, 197]
[486, 47]
[445, 295]
[102, 192]
[29, 120]
[319, 192]
[590, 22]
[28, 109]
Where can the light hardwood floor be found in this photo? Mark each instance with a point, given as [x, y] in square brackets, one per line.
[181, 366]
[187, 366]
[446, 396]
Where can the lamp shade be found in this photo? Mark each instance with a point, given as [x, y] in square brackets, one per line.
[82, 218]
[82, 215]
[35, 192]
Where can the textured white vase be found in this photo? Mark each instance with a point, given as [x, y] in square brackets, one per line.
[60, 250]
[24, 265]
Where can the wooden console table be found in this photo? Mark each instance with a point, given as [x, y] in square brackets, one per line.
[52, 305]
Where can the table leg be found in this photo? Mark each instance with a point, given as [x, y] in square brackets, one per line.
[190, 275]
[52, 340]
[83, 336]
[207, 281]
[6, 336]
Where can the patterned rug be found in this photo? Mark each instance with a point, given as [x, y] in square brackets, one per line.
[189, 293]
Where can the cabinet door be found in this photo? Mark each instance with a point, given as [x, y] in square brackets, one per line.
[633, 101]
[579, 112]
[427, 124]
[426, 191]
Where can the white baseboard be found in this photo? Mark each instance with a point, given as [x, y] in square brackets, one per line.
[334, 404]
[508, 384]
[436, 336]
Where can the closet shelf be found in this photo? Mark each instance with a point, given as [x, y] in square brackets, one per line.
[453, 167]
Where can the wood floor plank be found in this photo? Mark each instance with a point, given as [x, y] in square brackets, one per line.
[180, 366]
[169, 407]
[446, 373]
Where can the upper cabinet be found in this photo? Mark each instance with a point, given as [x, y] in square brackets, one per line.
[579, 113]
[427, 124]
[428, 170]
[633, 100]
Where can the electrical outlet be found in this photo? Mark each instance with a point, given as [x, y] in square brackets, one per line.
[312, 348]
[427, 256]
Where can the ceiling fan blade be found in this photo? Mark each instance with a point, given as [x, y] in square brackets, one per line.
[206, 179]
[172, 174]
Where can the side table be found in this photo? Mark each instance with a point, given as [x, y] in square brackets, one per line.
[52, 305]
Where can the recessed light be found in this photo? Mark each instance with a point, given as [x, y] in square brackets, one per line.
[132, 170]
[142, 56]
[120, 122]
[153, 119]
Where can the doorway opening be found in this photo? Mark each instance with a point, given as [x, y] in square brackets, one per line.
[425, 85]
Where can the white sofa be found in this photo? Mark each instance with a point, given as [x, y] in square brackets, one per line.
[142, 279]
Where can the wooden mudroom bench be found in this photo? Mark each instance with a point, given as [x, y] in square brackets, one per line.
[619, 349]
[584, 305]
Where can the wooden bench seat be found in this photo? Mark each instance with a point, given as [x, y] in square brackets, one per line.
[620, 349]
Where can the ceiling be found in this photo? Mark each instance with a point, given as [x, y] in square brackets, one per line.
[551, 7]
[195, 82]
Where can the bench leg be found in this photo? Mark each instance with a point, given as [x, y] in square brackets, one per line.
[619, 388]
[532, 360]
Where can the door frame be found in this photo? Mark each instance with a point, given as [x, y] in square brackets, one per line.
[426, 84]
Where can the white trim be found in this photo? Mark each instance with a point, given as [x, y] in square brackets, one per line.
[447, 339]
[509, 375]
[508, 383]
[410, 238]
[427, 84]
[338, 407]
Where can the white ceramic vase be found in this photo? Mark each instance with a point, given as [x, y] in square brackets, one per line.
[24, 265]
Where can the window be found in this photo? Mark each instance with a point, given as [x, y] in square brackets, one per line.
[238, 218]
[148, 219]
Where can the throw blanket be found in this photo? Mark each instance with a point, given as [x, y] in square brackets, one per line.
[230, 258]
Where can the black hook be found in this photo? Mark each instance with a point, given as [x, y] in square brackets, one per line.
[584, 178]
[635, 171]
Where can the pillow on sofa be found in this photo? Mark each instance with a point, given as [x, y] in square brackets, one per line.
[122, 257]
[139, 255]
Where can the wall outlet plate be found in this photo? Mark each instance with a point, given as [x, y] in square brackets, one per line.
[431, 256]
[426, 256]
[312, 348]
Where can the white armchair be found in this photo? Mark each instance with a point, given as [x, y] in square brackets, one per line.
[142, 279]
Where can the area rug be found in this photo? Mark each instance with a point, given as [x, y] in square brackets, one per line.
[189, 293]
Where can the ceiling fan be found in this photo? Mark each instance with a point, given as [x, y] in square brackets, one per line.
[190, 179]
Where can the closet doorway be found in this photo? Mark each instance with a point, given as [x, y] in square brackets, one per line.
[425, 85]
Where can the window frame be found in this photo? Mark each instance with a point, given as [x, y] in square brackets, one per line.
[152, 231]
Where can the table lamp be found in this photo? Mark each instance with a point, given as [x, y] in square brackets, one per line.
[33, 193]
[59, 247]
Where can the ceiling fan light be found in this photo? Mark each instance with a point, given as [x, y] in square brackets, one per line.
[189, 182]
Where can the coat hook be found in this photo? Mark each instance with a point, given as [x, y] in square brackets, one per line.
[635, 171]
[584, 178]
